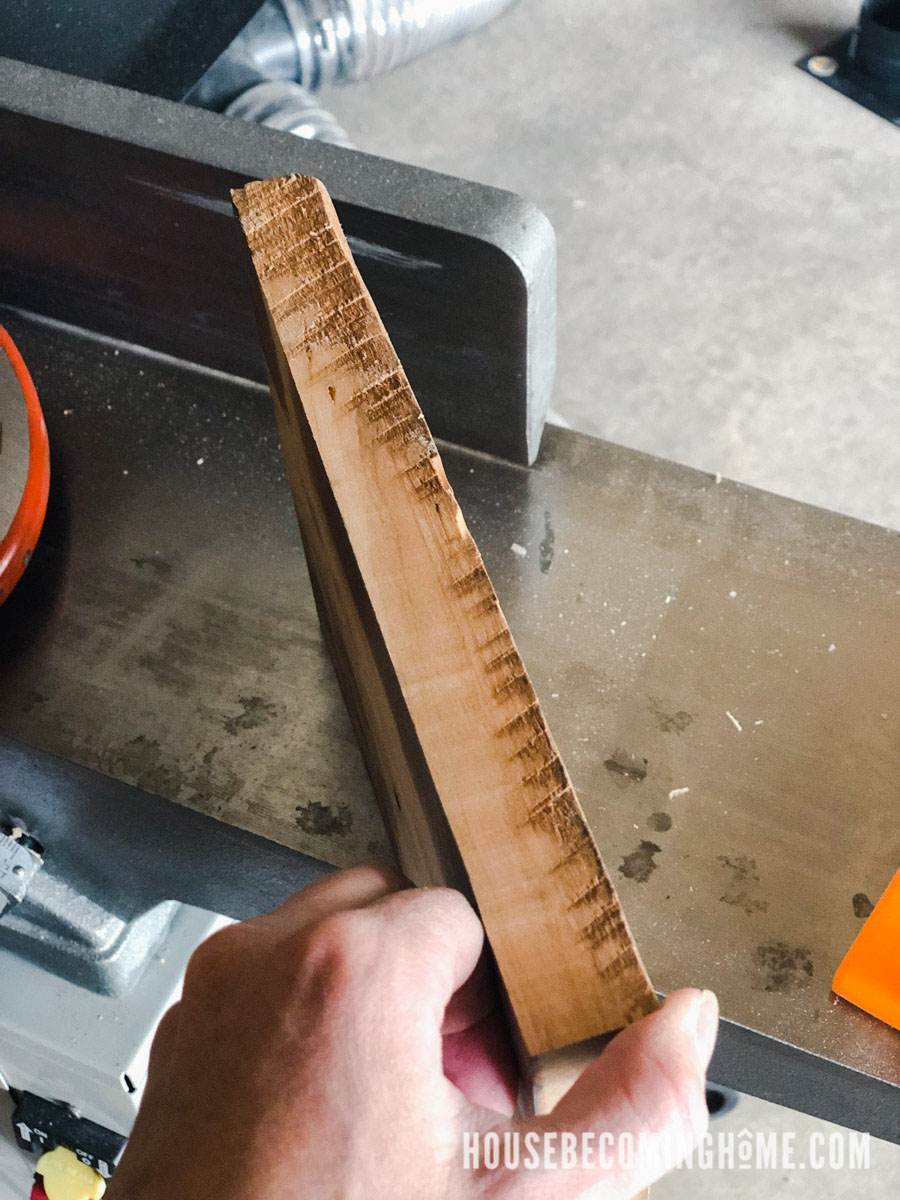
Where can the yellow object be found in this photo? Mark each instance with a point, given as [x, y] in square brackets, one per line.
[66, 1177]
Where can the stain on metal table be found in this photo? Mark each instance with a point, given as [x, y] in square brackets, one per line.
[720, 667]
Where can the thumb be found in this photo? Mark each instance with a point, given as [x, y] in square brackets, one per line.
[637, 1110]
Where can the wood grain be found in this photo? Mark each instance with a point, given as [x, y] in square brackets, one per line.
[468, 777]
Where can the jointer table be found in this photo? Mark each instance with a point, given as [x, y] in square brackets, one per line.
[719, 666]
[181, 653]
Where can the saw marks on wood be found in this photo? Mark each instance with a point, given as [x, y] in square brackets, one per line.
[452, 731]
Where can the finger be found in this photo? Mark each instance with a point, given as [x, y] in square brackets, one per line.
[479, 1060]
[478, 1056]
[649, 1084]
[356, 887]
[477, 997]
[388, 972]
[652, 1072]
[432, 941]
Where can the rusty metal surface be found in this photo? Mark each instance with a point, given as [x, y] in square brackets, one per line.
[682, 633]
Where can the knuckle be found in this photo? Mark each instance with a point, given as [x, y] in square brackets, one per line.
[452, 905]
[165, 1030]
[438, 909]
[213, 958]
[446, 916]
[337, 948]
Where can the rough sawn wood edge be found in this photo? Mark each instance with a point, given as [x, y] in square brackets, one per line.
[469, 779]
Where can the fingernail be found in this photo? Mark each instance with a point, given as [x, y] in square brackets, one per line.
[706, 1015]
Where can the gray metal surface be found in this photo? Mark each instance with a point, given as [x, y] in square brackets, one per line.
[165, 851]
[116, 215]
[171, 851]
[166, 634]
[64, 930]
[63, 1042]
[18, 867]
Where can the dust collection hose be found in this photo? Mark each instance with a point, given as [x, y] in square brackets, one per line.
[303, 45]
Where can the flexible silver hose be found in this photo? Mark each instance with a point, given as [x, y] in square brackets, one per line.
[283, 104]
[318, 42]
[340, 41]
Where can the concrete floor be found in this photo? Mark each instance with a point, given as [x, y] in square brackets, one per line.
[880, 1182]
[728, 237]
[729, 293]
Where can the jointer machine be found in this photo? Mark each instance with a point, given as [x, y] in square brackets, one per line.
[174, 752]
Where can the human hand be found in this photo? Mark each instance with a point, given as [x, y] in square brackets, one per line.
[313, 1051]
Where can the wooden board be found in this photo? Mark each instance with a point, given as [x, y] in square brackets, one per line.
[469, 780]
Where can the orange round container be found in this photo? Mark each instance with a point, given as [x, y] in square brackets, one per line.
[24, 465]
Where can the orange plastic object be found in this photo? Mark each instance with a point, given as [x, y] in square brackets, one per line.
[869, 976]
[18, 541]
